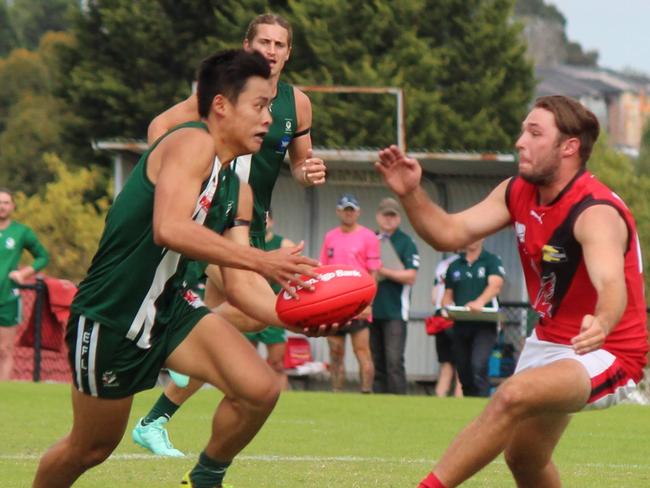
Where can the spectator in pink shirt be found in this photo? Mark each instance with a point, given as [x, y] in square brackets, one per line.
[356, 245]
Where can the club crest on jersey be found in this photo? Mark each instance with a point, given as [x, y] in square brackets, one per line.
[287, 125]
[10, 243]
[553, 254]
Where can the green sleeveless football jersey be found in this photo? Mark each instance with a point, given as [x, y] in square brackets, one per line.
[221, 217]
[262, 169]
[129, 272]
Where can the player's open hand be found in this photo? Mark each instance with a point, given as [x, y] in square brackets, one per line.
[287, 267]
[401, 174]
[591, 337]
[314, 170]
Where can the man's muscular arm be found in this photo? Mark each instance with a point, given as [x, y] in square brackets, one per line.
[603, 234]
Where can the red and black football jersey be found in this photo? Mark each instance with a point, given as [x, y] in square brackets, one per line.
[558, 284]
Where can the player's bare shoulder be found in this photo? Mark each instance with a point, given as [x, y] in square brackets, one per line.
[190, 147]
[303, 108]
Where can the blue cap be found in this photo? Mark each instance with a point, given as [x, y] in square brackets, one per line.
[348, 201]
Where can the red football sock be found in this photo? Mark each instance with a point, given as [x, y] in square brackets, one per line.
[431, 481]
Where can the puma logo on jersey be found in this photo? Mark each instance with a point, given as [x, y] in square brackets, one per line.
[537, 216]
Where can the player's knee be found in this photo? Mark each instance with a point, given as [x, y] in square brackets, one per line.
[523, 465]
[510, 400]
[265, 394]
[96, 454]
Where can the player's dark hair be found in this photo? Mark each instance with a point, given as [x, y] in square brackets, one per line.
[268, 19]
[8, 192]
[573, 120]
[226, 73]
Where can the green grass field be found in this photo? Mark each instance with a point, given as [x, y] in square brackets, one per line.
[321, 440]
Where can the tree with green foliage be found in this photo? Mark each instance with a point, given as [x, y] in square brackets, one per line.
[31, 19]
[67, 223]
[617, 171]
[8, 39]
[31, 119]
[461, 63]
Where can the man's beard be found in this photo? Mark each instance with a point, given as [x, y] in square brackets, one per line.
[547, 170]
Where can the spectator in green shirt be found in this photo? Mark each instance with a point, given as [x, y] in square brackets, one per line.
[390, 308]
[474, 280]
[14, 238]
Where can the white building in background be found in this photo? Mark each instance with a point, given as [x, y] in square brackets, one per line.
[620, 101]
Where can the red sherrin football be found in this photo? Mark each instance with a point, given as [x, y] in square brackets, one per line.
[340, 294]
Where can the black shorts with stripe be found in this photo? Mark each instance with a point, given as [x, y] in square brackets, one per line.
[106, 364]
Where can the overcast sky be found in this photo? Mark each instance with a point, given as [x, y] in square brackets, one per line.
[618, 29]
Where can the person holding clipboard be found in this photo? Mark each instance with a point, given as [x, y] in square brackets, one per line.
[473, 281]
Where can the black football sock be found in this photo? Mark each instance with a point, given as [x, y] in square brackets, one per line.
[163, 407]
[208, 472]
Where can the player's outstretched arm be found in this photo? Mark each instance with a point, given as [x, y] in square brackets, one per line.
[305, 168]
[440, 229]
[603, 234]
[178, 167]
[184, 111]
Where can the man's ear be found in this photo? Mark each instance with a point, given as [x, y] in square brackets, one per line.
[570, 147]
[219, 104]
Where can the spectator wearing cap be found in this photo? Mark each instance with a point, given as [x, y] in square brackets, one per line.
[353, 244]
[390, 308]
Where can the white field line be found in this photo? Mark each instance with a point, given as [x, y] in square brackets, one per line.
[345, 459]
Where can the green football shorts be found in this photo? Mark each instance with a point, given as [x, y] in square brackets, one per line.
[10, 313]
[106, 364]
[270, 335]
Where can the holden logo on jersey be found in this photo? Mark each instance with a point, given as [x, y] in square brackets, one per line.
[10, 243]
[553, 254]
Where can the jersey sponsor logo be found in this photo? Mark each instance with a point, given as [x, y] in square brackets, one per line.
[520, 230]
[544, 300]
[284, 143]
[553, 254]
[193, 298]
[287, 125]
[10, 243]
